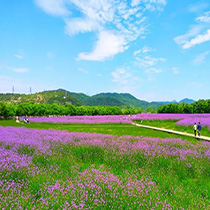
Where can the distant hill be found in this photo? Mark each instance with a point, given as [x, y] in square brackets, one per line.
[121, 99]
[163, 102]
[59, 97]
[62, 96]
[187, 101]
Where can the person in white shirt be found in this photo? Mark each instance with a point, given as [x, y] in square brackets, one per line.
[195, 128]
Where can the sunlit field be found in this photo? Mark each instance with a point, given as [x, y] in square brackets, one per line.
[101, 166]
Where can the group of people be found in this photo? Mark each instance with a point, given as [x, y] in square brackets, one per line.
[197, 129]
[26, 120]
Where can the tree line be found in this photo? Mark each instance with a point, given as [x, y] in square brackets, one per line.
[31, 109]
[201, 106]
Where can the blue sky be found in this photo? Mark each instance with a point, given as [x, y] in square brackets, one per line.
[154, 49]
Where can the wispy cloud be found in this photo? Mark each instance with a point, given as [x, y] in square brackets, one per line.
[194, 31]
[144, 59]
[199, 33]
[20, 70]
[199, 39]
[175, 70]
[111, 19]
[204, 18]
[19, 56]
[198, 7]
[14, 69]
[201, 58]
[123, 76]
[195, 84]
[148, 61]
[79, 25]
[125, 80]
[153, 70]
[144, 50]
[53, 7]
[83, 70]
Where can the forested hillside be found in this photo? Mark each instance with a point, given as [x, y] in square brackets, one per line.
[62, 97]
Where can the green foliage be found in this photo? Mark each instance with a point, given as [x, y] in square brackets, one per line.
[201, 106]
[31, 109]
[4, 110]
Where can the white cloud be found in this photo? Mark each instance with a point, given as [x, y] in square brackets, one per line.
[199, 39]
[148, 61]
[83, 70]
[107, 46]
[111, 18]
[19, 56]
[79, 25]
[198, 33]
[144, 50]
[194, 31]
[20, 70]
[195, 84]
[123, 76]
[53, 7]
[153, 70]
[198, 7]
[14, 69]
[201, 58]
[175, 70]
[204, 18]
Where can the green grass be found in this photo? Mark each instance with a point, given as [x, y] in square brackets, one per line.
[119, 129]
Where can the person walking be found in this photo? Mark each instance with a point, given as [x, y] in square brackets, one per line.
[195, 129]
[199, 129]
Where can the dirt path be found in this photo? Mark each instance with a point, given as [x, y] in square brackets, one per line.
[205, 138]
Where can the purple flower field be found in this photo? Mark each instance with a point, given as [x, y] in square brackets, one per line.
[184, 119]
[55, 169]
[44, 140]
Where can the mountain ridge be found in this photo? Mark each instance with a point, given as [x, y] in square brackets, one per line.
[62, 96]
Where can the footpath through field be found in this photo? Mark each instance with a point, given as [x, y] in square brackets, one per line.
[204, 138]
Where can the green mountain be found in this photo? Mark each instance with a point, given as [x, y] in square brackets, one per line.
[62, 96]
[123, 99]
[56, 96]
[187, 101]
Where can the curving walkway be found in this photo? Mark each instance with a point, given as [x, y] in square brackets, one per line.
[204, 138]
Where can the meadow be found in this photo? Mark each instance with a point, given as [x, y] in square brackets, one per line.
[112, 165]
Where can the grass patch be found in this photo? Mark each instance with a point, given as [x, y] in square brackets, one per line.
[118, 129]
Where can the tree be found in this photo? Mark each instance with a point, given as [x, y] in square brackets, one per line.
[4, 111]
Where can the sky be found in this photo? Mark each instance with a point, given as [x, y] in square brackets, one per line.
[156, 50]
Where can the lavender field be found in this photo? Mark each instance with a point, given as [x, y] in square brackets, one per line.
[54, 169]
[182, 119]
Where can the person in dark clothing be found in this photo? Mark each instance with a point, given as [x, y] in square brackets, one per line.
[199, 129]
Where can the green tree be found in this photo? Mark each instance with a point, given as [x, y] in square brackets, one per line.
[4, 111]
